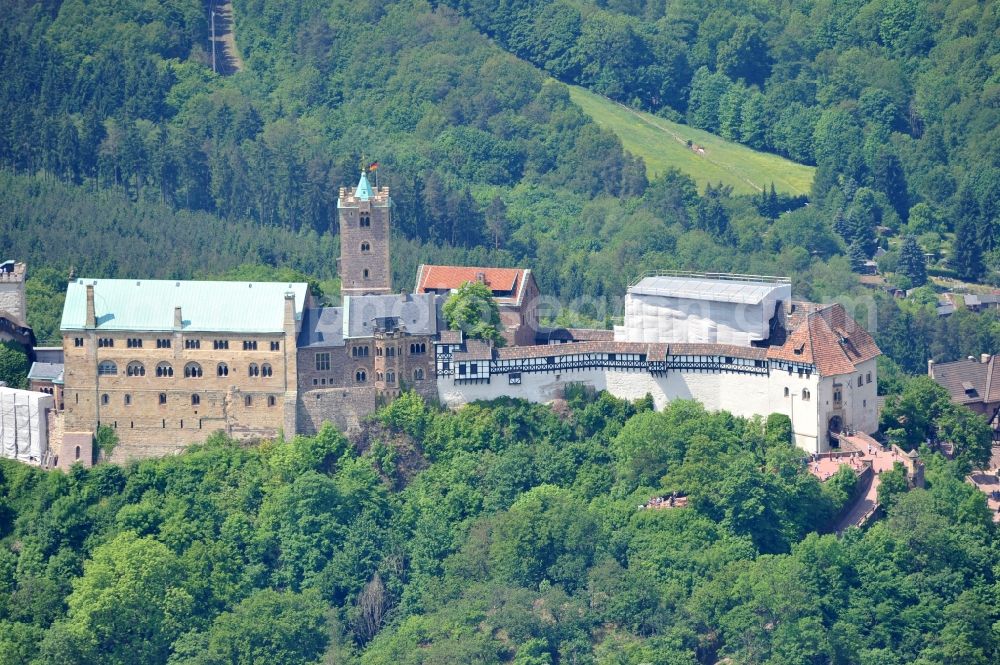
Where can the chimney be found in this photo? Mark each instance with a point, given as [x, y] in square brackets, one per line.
[289, 311]
[984, 358]
[481, 277]
[178, 319]
[930, 368]
[91, 312]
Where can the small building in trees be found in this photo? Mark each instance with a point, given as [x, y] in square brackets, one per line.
[974, 383]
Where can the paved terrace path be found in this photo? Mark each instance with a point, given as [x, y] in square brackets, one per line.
[227, 58]
[866, 450]
[863, 508]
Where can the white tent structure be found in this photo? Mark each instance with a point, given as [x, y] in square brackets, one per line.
[706, 308]
[24, 431]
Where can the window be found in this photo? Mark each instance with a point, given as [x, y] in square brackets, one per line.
[365, 221]
[253, 370]
[219, 344]
[164, 370]
[222, 369]
[418, 374]
[322, 382]
[365, 247]
[105, 399]
[77, 341]
[128, 399]
[248, 400]
[163, 398]
[390, 351]
[461, 369]
[78, 452]
[271, 400]
[133, 343]
[418, 349]
[135, 369]
[107, 368]
[105, 342]
[861, 379]
[390, 377]
[786, 391]
[322, 362]
[195, 400]
[315, 382]
[276, 346]
[265, 370]
[192, 344]
[249, 345]
[869, 377]
[365, 273]
[837, 396]
[805, 393]
[192, 371]
[360, 376]
[163, 343]
[474, 368]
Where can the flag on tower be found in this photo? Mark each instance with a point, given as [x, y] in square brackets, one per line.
[373, 166]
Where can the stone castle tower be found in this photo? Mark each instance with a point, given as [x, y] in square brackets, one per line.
[12, 298]
[364, 240]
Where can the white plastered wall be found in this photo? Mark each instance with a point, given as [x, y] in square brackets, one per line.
[741, 394]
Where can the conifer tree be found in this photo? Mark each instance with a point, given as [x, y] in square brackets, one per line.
[856, 254]
[967, 258]
[912, 262]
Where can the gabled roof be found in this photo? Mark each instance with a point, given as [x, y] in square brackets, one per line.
[148, 305]
[826, 337]
[322, 326]
[417, 313]
[969, 381]
[507, 284]
[46, 372]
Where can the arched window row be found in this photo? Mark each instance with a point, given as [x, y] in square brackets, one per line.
[135, 369]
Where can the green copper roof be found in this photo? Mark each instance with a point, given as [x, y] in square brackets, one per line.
[364, 192]
[148, 305]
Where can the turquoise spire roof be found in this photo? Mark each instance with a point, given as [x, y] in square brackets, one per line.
[364, 191]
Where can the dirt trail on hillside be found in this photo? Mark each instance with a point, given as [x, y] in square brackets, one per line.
[227, 57]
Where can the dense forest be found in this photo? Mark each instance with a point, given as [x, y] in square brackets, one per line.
[503, 533]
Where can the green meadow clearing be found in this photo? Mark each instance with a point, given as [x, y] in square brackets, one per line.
[663, 144]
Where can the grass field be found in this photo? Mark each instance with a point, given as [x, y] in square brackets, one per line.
[663, 144]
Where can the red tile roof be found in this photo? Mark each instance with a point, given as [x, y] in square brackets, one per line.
[436, 278]
[825, 336]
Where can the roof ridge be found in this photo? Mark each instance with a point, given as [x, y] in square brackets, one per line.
[989, 378]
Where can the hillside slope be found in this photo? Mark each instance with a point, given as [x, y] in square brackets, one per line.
[709, 158]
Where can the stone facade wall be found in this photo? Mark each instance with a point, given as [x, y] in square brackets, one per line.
[241, 405]
[364, 248]
[12, 295]
[337, 396]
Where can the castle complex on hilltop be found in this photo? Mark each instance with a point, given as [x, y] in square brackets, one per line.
[165, 363]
